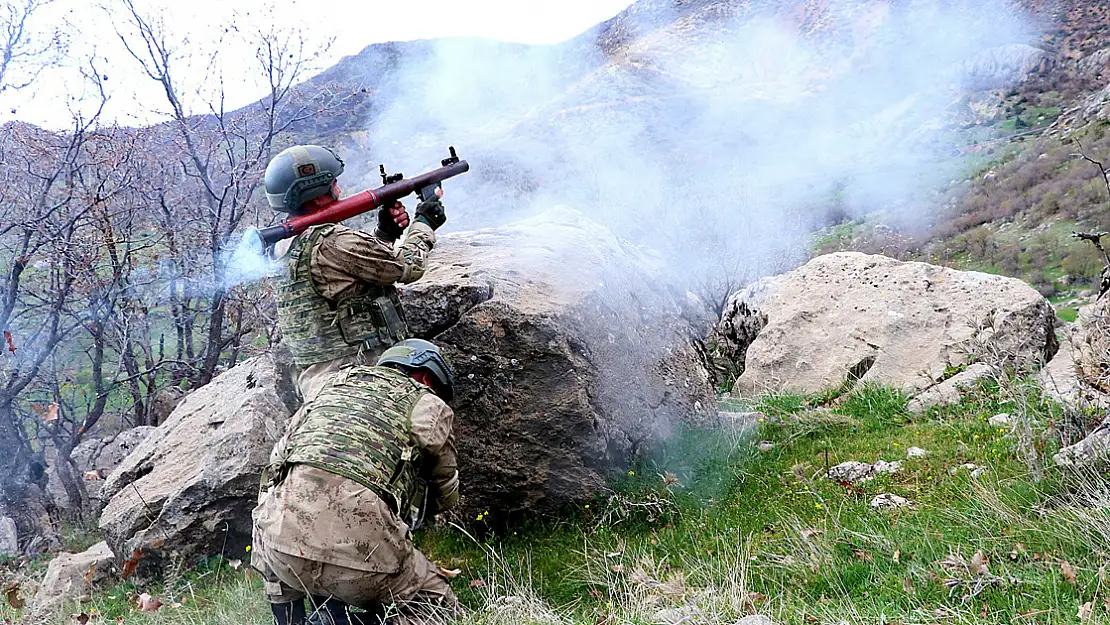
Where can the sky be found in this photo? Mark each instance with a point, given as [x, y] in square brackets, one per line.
[198, 28]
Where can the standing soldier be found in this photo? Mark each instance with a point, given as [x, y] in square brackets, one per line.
[372, 456]
[336, 303]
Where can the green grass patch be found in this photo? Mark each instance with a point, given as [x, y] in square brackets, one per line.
[724, 522]
[801, 547]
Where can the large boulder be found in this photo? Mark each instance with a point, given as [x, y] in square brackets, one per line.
[189, 486]
[103, 455]
[71, 577]
[94, 458]
[849, 317]
[571, 350]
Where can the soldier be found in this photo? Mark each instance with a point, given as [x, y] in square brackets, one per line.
[337, 304]
[373, 454]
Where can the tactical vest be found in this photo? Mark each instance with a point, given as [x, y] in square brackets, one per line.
[317, 329]
[360, 427]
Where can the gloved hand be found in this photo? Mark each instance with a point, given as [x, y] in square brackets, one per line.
[431, 212]
[392, 222]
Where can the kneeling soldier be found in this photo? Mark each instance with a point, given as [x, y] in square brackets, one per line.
[367, 458]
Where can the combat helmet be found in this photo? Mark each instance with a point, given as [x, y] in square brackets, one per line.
[412, 354]
[299, 174]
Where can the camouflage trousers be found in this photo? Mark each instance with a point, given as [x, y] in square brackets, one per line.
[416, 595]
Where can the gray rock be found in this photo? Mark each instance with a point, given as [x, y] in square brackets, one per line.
[190, 485]
[883, 466]
[765, 446]
[71, 577]
[916, 452]
[96, 458]
[949, 391]
[1060, 378]
[9, 537]
[755, 619]
[854, 472]
[851, 316]
[165, 402]
[1001, 420]
[888, 500]
[1093, 449]
[1090, 353]
[571, 350]
[683, 615]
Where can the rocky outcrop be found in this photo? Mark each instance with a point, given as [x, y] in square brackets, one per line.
[571, 353]
[9, 537]
[1094, 66]
[848, 317]
[1003, 66]
[191, 483]
[71, 577]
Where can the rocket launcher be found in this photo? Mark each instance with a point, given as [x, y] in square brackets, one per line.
[394, 187]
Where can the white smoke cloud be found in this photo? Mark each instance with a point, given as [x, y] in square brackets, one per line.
[707, 135]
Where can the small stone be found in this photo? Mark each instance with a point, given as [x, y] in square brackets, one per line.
[766, 446]
[851, 472]
[1001, 420]
[755, 619]
[916, 452]
[968, 466]
[674, 616]
[887, 500]
[888, 467]
[978, 471]
[9, 538]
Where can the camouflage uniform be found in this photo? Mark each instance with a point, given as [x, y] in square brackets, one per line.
[330, 524]
[336, 304]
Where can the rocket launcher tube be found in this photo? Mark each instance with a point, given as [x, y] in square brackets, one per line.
[360, 203]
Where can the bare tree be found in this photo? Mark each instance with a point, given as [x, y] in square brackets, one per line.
[25, 51]
[41, 244]
[219, 157]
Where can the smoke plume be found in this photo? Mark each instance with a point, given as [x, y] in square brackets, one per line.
[705, 131]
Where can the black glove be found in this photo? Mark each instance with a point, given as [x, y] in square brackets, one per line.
[388, 228]
[431, 213]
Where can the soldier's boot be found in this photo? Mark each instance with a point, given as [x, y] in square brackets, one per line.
[331, 611]
[288, 613]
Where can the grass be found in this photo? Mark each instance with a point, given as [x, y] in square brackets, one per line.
[710, 529]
